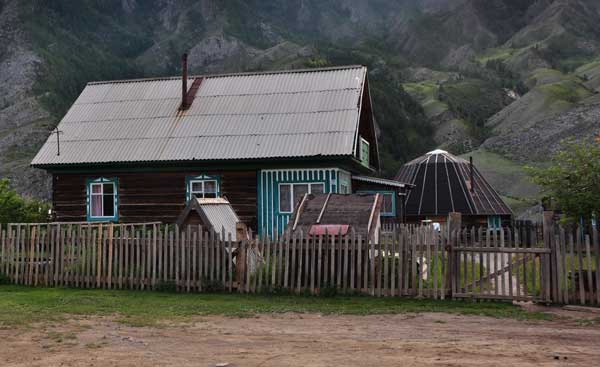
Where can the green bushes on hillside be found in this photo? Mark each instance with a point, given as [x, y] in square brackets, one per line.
[17, 209]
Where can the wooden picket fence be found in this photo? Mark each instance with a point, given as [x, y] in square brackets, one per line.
[417, 261]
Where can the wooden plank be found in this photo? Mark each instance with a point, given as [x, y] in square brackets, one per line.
[352, 261]
[590, 278]
[230, 254]
[307, 262]
[281, 244]
[386, 265]
[332, 261]
[421, 238]
[564, 267]
[177, 256]
[401, 266]
[98, 256]
[193, 259]
[359, 265]
[339, 259]
[443, 263]
[247, 247]
[223, 256]
[373, 283]
[580, 266]
[201, 258]
[320, 262]
[597, 257]
[313, 246]
[345, 263]
[274, 262]
[187, 247]
[110, 255]
[414, 276]
[510, 262]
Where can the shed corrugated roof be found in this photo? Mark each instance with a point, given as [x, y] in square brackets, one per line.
[299, 113]
[443, 185]
[217, 213]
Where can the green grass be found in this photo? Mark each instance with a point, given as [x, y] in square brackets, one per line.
[22, 306]
[501, 54]
[572, 265]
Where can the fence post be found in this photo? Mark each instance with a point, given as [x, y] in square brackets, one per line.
[454, 226]
[548, 233]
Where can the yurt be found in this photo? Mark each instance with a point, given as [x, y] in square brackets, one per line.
[444, 183]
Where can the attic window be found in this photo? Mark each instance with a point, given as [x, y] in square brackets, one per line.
[365, 152]
[102, 200]
[203, 187]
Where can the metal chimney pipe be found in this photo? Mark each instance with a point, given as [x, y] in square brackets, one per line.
[184, 80]
[472, 173]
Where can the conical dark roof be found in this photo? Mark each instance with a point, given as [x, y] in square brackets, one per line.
[443, 185]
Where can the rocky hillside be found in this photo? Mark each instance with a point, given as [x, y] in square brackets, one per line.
[467, 75]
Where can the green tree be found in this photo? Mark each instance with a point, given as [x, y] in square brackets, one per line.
[573, 179]
[16, 209]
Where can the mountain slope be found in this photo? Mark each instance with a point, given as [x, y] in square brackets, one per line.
[465, 75]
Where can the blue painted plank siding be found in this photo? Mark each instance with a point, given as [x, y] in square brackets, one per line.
[271, 219]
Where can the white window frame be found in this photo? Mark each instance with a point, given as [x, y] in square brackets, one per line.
[292, 184]
[193, 193]
[364, 141]
[101, 194]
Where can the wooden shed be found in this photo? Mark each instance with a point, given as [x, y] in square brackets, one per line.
[214, 214]
[322, 214]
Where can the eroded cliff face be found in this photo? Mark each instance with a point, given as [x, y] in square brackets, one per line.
[459, 60]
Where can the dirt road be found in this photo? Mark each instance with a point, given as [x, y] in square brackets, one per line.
[307, 340]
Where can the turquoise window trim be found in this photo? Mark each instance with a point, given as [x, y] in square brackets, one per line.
[190, 179]
[383, 192]
[494, 222]
[88, 205]
[309, 183]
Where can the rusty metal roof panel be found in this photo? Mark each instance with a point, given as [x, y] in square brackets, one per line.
[240, 116]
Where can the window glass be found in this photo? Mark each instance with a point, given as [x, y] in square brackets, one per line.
[316, 188]
[388, 204]
[285, 202]
[196, 186]
[102, 200]
[364, 152]
[299, 192]
[108, 204]
[204, 188]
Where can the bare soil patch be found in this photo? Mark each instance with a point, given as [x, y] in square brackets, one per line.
[429, 339]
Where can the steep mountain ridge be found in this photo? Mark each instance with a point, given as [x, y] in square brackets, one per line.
[460, 74]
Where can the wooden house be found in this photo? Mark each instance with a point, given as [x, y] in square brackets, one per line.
[139, 150]
[444, 183]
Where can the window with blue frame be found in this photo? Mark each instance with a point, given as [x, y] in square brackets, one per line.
[103, 199]
[203, 187]
[291, 193]
[388, 207]
[494, 222]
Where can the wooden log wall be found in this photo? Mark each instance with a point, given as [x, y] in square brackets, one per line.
[152, 196]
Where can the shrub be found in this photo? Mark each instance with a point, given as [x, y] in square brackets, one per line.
[15, 208]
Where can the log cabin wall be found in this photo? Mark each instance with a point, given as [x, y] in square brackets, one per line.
[152, 196]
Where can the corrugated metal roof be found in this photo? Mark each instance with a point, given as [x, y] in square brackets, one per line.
[238, 116]
[221, 216]
[381, 181]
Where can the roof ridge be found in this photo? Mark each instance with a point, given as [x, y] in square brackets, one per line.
[225, 75]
